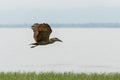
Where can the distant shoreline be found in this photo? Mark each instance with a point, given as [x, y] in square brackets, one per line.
[71, 25]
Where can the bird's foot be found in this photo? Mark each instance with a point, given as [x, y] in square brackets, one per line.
[33, 46]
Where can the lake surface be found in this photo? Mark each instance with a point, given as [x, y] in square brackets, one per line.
[82, 50]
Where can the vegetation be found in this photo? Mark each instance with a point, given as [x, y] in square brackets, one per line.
[58, 76]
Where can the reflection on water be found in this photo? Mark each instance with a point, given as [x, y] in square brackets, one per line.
[60, 68]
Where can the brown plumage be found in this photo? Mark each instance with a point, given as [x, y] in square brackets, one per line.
[41, 34]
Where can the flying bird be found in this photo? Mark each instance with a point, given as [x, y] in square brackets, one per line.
[41, 34]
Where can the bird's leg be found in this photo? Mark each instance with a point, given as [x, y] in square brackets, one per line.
[35, 44]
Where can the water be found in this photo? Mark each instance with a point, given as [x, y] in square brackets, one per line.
[82, 50]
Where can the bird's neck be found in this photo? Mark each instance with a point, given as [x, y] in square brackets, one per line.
[51, 41]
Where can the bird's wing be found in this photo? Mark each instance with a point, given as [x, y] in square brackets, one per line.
[44, 33]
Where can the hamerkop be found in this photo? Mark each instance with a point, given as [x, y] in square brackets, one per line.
[41, 34]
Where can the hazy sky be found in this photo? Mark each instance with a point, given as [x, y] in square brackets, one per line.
[59, 11]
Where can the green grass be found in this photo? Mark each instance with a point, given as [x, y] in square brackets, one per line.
[58, 76]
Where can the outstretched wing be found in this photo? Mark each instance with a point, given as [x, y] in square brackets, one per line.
[44, 33]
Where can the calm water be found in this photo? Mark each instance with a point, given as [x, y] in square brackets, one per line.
[82, 50]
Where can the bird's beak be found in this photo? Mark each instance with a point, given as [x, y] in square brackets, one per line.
[59, 40]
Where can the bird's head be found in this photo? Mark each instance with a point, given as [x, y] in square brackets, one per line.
[54, 40]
